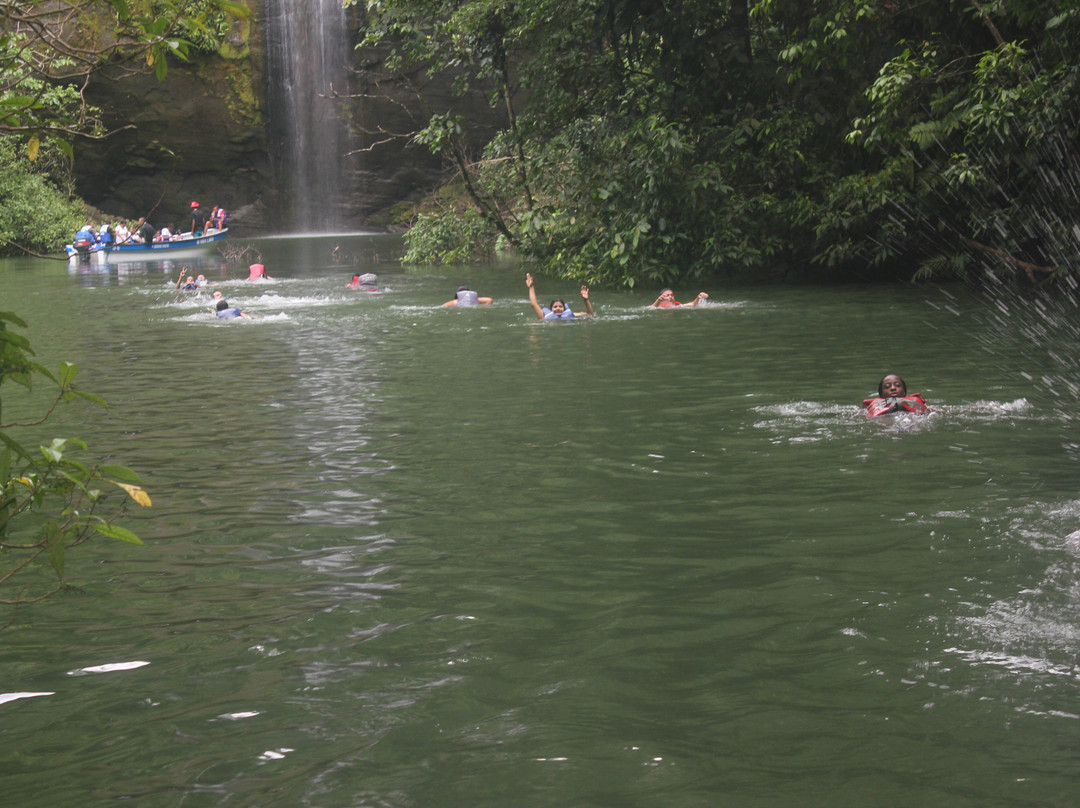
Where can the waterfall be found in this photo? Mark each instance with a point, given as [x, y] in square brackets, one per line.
[307, 55]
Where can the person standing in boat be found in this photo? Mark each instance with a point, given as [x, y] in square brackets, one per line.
[893, 398]
[467, 298]
[198, 220]
[122, 233]
[558, 309]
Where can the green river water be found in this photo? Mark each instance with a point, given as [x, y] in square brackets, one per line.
[411, 556]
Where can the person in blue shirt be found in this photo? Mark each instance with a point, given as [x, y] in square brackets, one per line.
[558, 310]
[224, 311]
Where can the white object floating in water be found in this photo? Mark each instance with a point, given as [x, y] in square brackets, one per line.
[238, 716]
[109, 668]
[6, 697]
[275, 754]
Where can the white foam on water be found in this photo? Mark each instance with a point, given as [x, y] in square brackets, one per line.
[110, 667]
[6, 697]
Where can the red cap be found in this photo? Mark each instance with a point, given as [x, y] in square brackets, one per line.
[194, 204]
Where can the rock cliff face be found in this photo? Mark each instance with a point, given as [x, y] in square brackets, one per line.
[205, 134]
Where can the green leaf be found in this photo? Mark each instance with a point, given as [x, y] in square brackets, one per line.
[122, 473]
[67, 373]
[235, 9]
[91, 398]
[54, 540]
[15, 447]
[117, 532]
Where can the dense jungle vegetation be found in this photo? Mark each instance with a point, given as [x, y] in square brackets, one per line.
[655, 140]
[649, 141]
[48, 52]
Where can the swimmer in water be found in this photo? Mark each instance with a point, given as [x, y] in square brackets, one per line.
[558, 310]
[365, 283]
[466, 298]
[667, 300]
[893, 397]
[224, 311]
[257, 272]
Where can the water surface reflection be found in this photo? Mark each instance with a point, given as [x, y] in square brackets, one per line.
[406, 555]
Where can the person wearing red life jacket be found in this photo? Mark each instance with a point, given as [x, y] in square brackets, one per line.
[893, 398]
[257, 272]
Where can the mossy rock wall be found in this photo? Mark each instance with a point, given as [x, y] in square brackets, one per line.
[203, 135]
[199, 135]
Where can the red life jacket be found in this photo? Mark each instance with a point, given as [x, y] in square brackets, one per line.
[886, 406]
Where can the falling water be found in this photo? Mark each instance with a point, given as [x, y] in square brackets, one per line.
[307, 68]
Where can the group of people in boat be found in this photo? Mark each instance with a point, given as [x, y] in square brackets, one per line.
[142, 232]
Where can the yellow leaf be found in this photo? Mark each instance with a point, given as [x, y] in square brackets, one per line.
[150, 58]
[32, 148]
[135, 493]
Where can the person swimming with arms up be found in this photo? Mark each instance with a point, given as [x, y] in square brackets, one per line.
[558, 309]
[190, 284]
[893, 398]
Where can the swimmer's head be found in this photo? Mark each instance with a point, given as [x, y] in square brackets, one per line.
[892, 386]
[216, 295]
[557, 306]
[222, 304]
[464, 289]
[667, 295]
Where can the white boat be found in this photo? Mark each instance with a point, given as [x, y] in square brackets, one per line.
[186, 246]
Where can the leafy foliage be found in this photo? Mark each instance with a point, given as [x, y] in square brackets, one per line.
[436, 238]
[48, 49]
[51, 501]
[653, 142]
[34, 212]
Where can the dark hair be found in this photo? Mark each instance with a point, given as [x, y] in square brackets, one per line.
[464, 289]
[558, 300]
[222, 304]
[881, 384]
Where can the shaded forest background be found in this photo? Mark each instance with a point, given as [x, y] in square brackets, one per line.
[657, 141]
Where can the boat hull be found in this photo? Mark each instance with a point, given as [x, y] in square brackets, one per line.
[157, 251]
